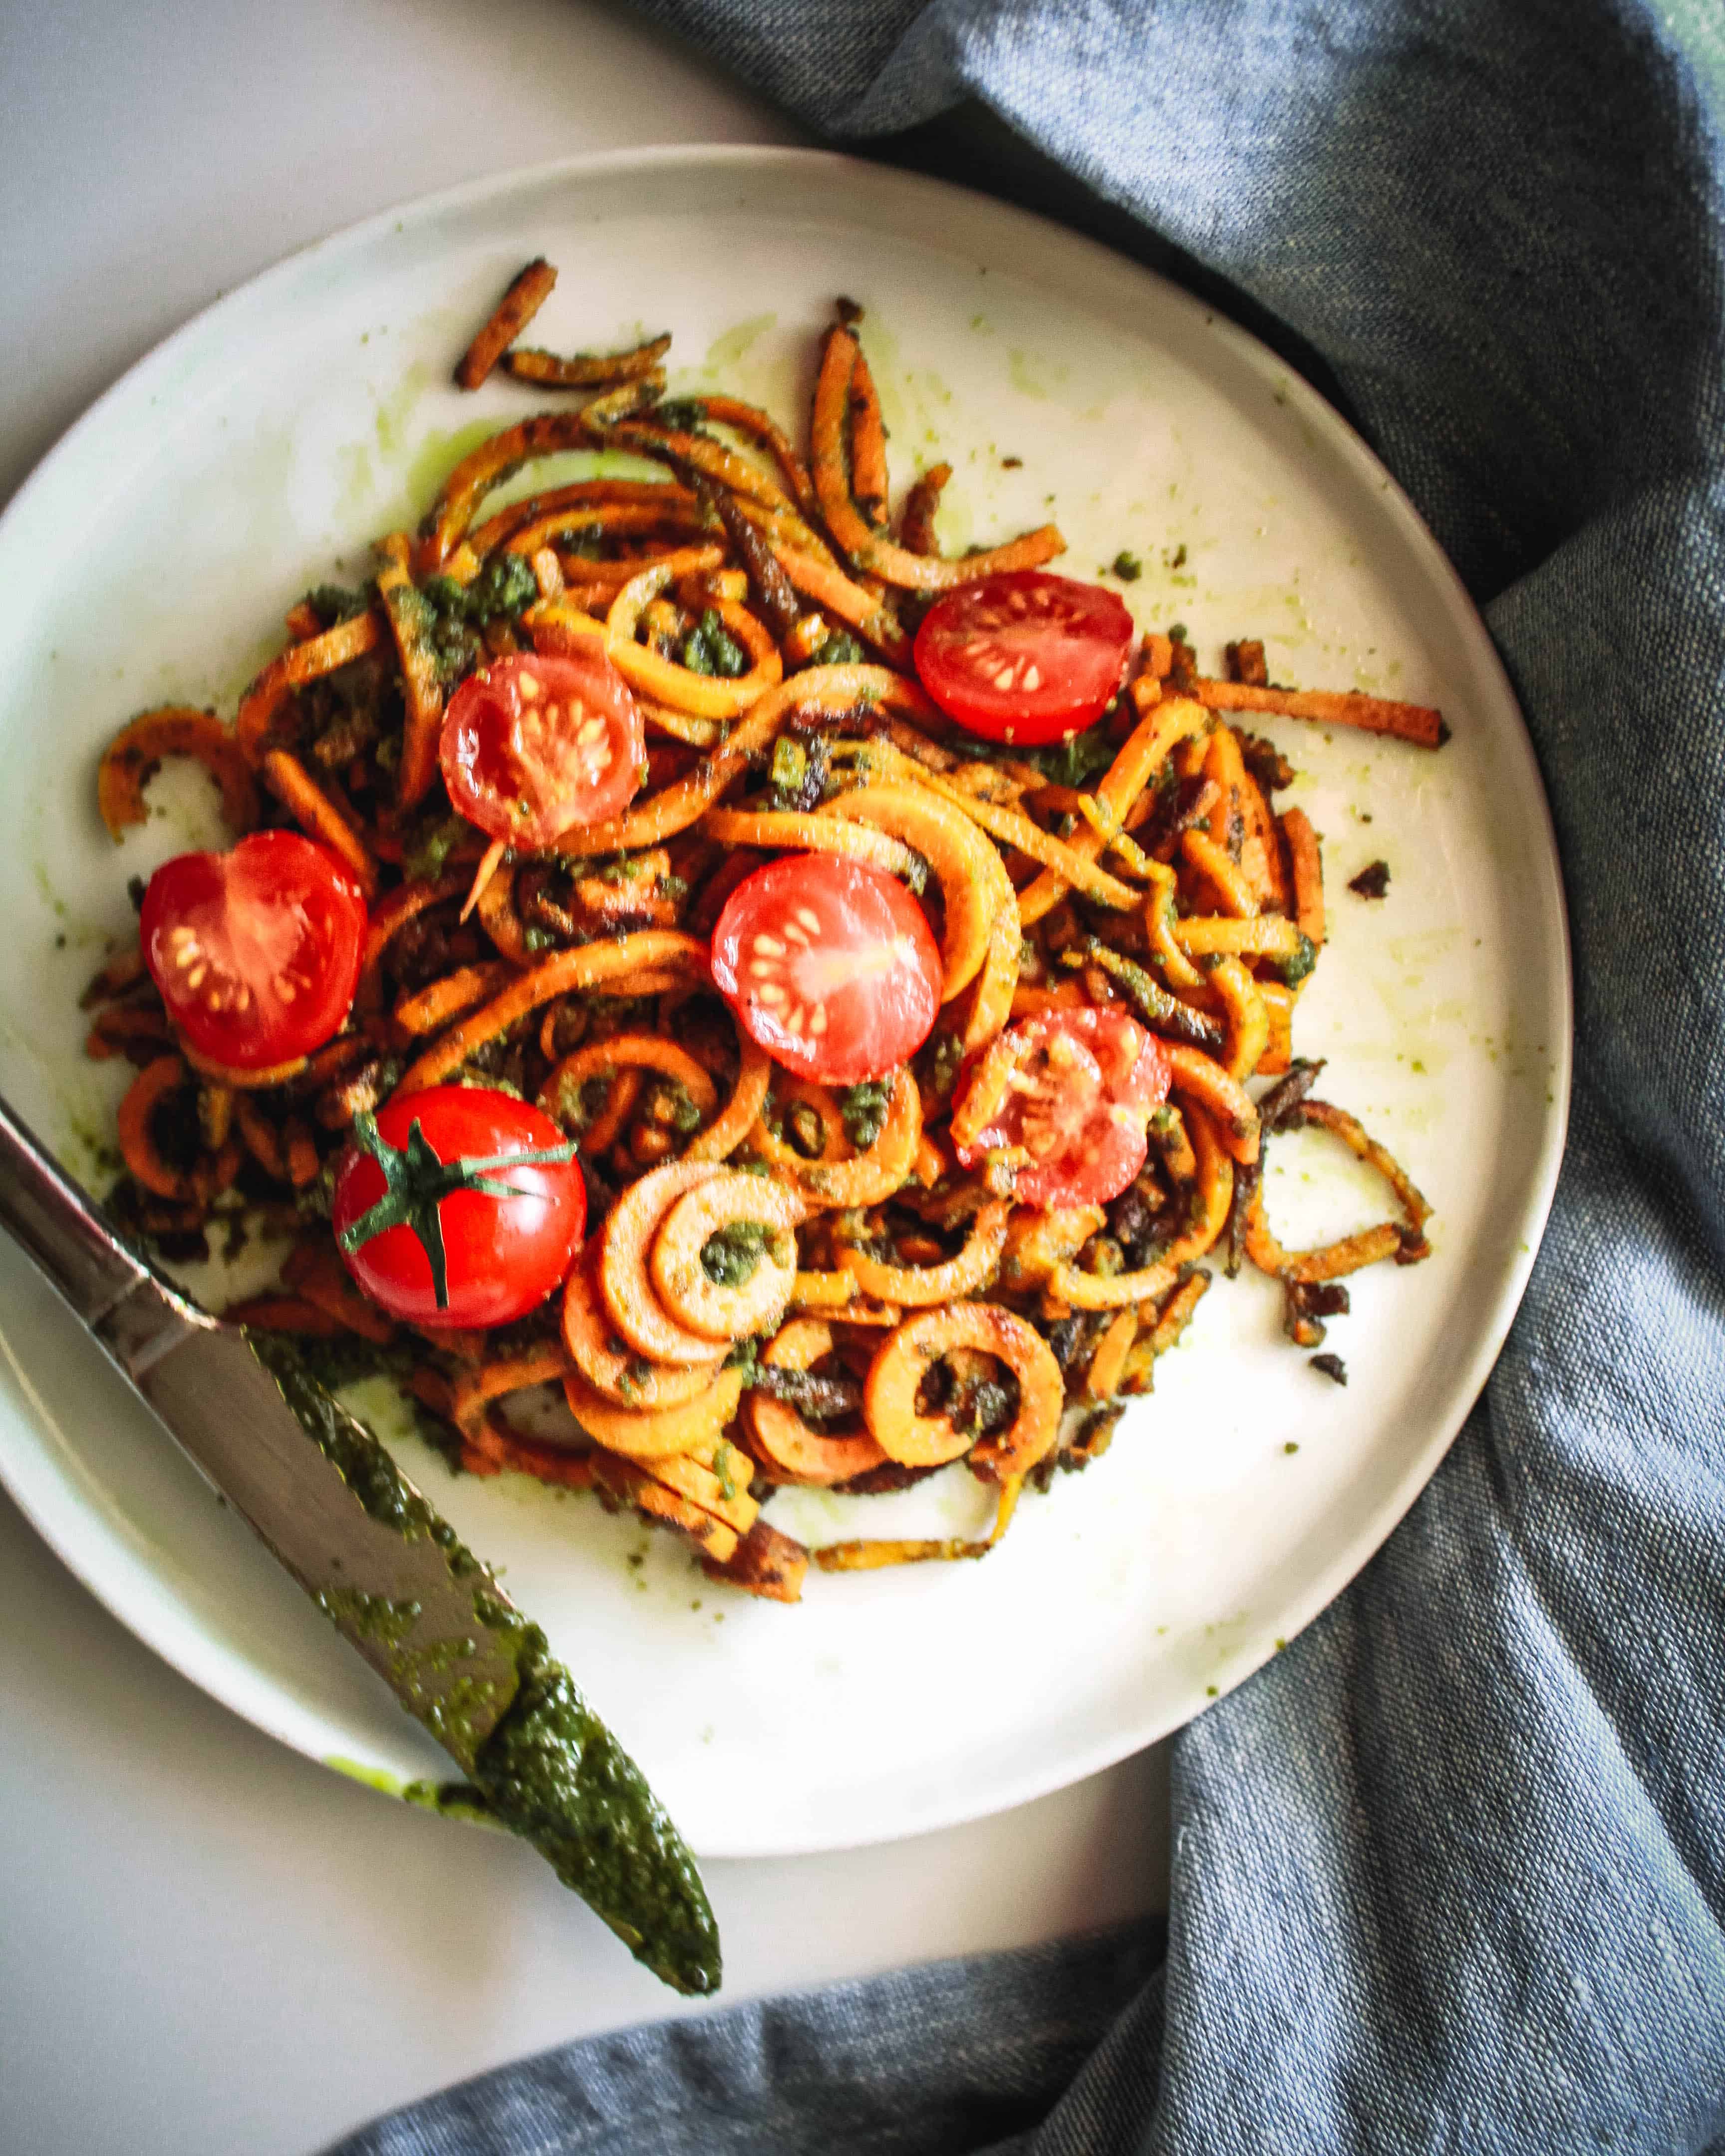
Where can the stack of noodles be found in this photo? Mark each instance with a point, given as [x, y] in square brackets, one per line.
[901, 1313]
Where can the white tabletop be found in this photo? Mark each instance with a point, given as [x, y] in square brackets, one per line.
[207, 1943]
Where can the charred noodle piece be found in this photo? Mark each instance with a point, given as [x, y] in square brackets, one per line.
[868, 550]
[795, 1452]
[284, 1313]
[792, 1092]
[741, 1112]
[390, 917]
[612, 519]
[689, 1295]
[609, 1364]
[439, 1004]
[833, 689]
[771, 587]
[1076, 1290]
[784, 827]
[1162, 725]
[1037, 1241]
[829, 588]
[650, 1433]
[538, 510]
[708, 697]
[920, 1286]
[963, 864]
[1406, 1244]
[635, 1484]
[869, 484]
[560, 1095]
[885, 1167]
[727, 1500]
[174, 730]
[1199, 1077]
[760, 427]
[315, 1270]
[1306, 862]
[566, 972]
[1375, 714]
[157, 1083]
[911, 1350]
[586, 370]
[473, 1392]
[309, 661]
[524, 297]
[875, 1554]
[312, 809]
[546, 434]
[915, 524]
[1161, 1011]
[411, 618]
[766, 1564]
[702, 452]
[625, 1283]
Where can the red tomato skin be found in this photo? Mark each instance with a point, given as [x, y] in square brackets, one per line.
[871, 969]
[1105, 1154]
[273, 910]
[1076, 637]
[512, 756]
[503, 1256]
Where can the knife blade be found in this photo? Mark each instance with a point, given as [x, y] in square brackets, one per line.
[395, 1579]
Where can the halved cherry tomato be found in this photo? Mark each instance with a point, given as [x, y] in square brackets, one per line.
[507, 1227]
[1023, 656]
[256, 951]
[830, 966]
[1073, 1091]
[533, 745]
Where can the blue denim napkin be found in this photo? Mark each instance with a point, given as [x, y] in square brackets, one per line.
[1450, 1873]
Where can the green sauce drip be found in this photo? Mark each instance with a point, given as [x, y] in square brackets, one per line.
[550, 1770]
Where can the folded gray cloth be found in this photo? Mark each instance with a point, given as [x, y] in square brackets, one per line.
[1448, 1873]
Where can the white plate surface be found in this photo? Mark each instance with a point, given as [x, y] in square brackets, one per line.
[150, 559]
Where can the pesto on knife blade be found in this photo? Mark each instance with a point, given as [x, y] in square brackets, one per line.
[549, 1770]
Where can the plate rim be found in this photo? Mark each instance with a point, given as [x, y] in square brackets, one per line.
[48, 1499]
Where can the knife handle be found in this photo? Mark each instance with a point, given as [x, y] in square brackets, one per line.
[60, 1226]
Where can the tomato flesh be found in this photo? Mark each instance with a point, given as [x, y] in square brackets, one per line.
[1077, 1102]
[534, 745]
[502, 1256]
[829, 965]
[1023, 656]
[256, 951]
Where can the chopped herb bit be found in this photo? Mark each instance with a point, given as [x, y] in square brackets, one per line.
[1333, 1367]
[730, 1257]
[1127, 567]
[790, 765]
[863, 1109]
[1293, 970]
[710, 648]
[335, 603]
[841, 648]
[1373, 881]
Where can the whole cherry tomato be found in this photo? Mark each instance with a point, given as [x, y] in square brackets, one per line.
[1072, 1090]
[829, 965]
[458, 1206]
[1023, 656]
[256, 951]
[534, 745]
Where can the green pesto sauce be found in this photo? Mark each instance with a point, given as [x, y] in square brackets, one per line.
[550, 1770]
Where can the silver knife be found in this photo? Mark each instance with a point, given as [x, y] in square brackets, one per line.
[330, 1505]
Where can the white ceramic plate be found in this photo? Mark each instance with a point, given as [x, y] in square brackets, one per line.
[259, 451]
